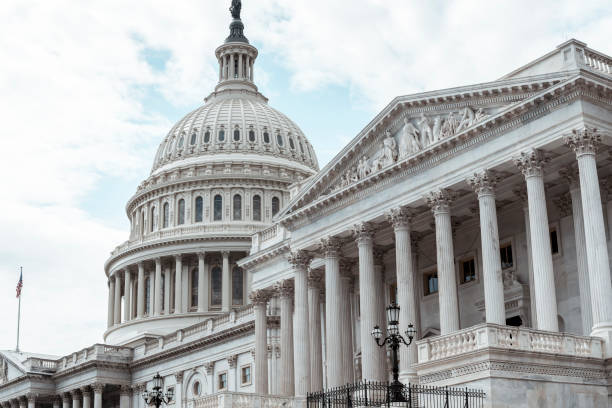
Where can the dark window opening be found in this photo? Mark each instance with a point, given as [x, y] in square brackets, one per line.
[468, 270]
[554, 242]
[506, 256]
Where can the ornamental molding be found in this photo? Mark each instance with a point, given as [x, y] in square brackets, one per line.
[512, 117]
[583, 141]
[284, 288]
[531, 162]
[483, 182]
[330, 246]
[260, 296]
[299, 259]
[400, 217]
[260, 257]
[440, 200]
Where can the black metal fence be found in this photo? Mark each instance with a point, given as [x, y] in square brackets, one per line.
[380, 394]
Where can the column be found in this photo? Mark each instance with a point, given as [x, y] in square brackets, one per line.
[521, 192]
[400, 219]
[440, 201]
[111, 301]
[210, 371]
[178, 284]
[76, 400]
[167, 280]
[314, 326]
[483, 184]
[124, 396]
[231, 67]
[151, 275]
[380, 296]
[346, 331]
[178, 389]
[127, 295]
[571, 175]
[226, 287]
[117, 306]
[65, 401]
[157, 306]
[584, 143]
[86, 392]
[285, 291]
[32, 400]
[97, 390]
[371, 364]
[531, 164]
[56, 403]
[323, 336]
[333, 320]
[240, 74]
[301, 351]
[252, 73]
[202, 283]
[141, 294]
[260, 298]
[231, 373]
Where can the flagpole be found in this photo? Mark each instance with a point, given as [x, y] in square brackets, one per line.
[19, 313]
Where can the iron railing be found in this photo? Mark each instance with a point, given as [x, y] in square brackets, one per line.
[379, 394]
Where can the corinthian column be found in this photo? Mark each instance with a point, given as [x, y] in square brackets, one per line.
[440, 201]
[407, 296]
[333, 319]
[86, 393]
[202, 283]
[259, 299]
[346, 332]
[127, 298]
[226, 288]
[370, 354]
[285, 291]
[483, 184]
[314, 328]
[157, 288]
[521, 192]
[97, 389]
[141, 291]
[571, 175]
[178, 284]
[117, 306]
[531, 165]
[301, 352]
[111, 301]
[584, 143]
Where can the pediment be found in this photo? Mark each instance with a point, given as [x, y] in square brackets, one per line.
[8, 369]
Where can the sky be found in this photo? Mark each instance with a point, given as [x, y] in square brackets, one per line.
[88, 90]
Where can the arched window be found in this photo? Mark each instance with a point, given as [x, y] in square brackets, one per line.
[181, 212]
[266, 136]
[166, 215]
[181, 142]
[143, 229]
[237, 207]
[275, 205]
[147, 296]
[301, 147]
[237, 286]
[194, 288]
[222, 135]
[218, 208]
[279, 139]
[207, 137]
[199, 209]
[291, 143]
[153, 222]
[236, 135]
[256, 208]
[215, 286]
[251, 135]
[193, 138]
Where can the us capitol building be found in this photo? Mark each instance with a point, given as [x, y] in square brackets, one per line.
[251, 276]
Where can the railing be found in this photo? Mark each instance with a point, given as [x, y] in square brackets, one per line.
[597, 61]
[242, 400]
[269, 233]
[506, 337]
[379, 394]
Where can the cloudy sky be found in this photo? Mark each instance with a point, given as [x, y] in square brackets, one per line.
[89, 88]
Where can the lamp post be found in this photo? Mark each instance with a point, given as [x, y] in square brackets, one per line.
[394, 339]
[157, 396]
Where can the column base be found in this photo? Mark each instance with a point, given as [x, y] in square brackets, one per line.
[604, 331]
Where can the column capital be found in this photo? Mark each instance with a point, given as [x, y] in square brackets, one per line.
[201, 254]
[86, 390]
[378, 254]
[31, 396]
[225, 254]
[564, 204]
[346, 268]
[66, 398]
[330, 246]
[260, 297]
[179, 376]
[125, 390]
[157, 260]
[178, 257]
[76, 393]
[583, 141]
[440, 200]
[232, 360]
[299, 259]
[521, 192]
[363, 233]
[314, 279]
[97, 387]
[483, 182]
[570, 174]
[531, 162]
[399, 217]
[209, 367]
[284, 288]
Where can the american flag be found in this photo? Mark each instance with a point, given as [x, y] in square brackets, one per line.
[19, 284]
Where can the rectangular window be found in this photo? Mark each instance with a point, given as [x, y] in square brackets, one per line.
[430, 281]
[554, 241]
[245, 375]
[468, 270]
[506, 256]
[222, 383]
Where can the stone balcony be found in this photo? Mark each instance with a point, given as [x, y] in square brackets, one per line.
[97, 352]
[225, 399]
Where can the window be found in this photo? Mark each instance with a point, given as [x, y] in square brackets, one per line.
[216, 286]
[207, 137]
[181, 212]
[194, 288]
[266, 136]
[275, 205]
[196, 388]
[181, 141]
[245, 375]
[279, 139]
[222, 381]
[237, 207]
[222, 135]
[199, 209]
[153, 220]
[430, 281]
[301, 147]
[256, 208]
[218, 208]
[506, 256]
[237, 286]
[251, 136]
[236, 135]
[554, 241]
[166, 214]
[147, 287]
[163, 291]
[291, 143]
[468, 270]
[193, 138]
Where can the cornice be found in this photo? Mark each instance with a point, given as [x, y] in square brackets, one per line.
[263, 256]
[92, 364]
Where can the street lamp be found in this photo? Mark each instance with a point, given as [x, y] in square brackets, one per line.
[157, 396]
[394, 339]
